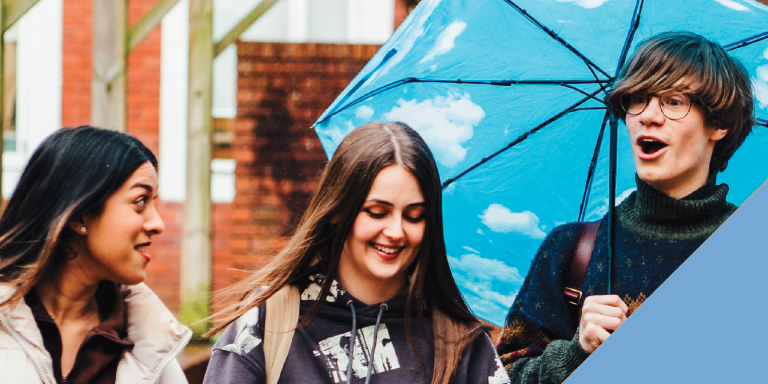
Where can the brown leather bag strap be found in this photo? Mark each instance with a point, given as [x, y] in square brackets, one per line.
[580, 262]
[280, 323]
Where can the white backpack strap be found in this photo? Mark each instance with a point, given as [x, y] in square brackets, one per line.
[281, 319]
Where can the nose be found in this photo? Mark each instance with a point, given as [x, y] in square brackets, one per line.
[394, 228]
[153, 223]
[652, 113]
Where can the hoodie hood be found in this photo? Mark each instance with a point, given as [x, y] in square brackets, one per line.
[338, 299]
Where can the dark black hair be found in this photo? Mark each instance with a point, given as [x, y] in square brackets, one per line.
[73, 172]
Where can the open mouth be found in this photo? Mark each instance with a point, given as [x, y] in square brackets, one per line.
[387, 250]
[650, 146]
[142, 249]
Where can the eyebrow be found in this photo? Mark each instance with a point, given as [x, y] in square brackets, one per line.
[143, 185]
[387, 203]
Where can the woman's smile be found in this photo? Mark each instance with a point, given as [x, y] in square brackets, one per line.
[142, 249]
[387, 252]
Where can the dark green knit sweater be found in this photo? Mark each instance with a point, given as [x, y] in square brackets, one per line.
[655, 234]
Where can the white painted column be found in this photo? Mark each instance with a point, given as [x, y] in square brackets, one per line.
[297, 21]
[370, 21]
[38, 85]
[174, 76]
[225, 84]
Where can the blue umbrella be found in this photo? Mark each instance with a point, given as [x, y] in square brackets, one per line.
[508, 94]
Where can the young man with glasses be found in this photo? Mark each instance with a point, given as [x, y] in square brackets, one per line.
[687, 106]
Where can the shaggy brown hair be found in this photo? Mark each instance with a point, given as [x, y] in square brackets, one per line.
[715, 81]
[317, 243]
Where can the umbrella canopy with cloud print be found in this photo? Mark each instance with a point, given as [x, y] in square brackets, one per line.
[508, 95]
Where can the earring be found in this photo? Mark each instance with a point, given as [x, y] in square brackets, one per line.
[83, 230]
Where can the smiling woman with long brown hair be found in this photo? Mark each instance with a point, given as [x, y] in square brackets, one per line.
[368, 262]
[73, 252]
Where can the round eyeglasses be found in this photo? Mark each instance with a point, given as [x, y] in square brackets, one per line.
[674, 105]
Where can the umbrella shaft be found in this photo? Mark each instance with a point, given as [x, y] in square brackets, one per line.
[613, 123]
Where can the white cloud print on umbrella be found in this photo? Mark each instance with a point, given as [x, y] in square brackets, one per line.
[477, 276]
[405, 45]
[445, 123]
[760, 83]
[446, 41]
[499, 218]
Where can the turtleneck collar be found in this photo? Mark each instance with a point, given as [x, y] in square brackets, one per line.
[650, 213]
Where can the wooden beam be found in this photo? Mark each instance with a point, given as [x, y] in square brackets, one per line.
[14, 10]
[108, 67]
[242, 26]
[2, 94]
[196, 250]
[148, 22]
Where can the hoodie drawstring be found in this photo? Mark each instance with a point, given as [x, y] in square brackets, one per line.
[383, 307]
[352, 340]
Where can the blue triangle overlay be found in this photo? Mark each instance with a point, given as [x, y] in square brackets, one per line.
[706, 323]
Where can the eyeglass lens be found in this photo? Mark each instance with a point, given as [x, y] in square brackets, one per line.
[674, 105]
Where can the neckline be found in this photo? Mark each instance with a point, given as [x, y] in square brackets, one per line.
[650, 213]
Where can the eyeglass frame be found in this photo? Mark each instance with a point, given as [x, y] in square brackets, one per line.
[691, 101]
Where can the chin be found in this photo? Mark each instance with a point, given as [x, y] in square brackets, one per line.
[651, 175]
[131, 280]
[386, 276]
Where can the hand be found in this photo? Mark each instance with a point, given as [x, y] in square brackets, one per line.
[599, 314]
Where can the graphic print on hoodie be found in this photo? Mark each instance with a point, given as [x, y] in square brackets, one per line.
[319, 352]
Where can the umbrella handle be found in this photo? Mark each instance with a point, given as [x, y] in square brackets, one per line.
[613, 124]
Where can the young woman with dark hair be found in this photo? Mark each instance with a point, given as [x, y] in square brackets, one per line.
[73, 252]
[688, 107]
[378, 301]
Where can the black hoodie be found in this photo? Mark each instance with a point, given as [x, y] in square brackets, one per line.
[319, 351]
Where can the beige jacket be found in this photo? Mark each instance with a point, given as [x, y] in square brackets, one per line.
[158, 338]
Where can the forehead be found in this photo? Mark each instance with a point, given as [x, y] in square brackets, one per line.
[145, 175]
[395, 184]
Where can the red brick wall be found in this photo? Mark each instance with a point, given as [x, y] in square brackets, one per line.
[144, 80]
[76, 63]
[143, 71]
[282, 90]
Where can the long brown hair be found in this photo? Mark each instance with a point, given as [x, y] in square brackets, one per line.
[325, 226]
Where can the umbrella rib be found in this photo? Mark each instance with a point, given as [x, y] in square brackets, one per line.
[635, 23]
[557, 38]
[503, 83]
[374, 92]
[585, 93]
[589, 109]
[762, 122]
[520, 139]
[592, 167]
[746, 42]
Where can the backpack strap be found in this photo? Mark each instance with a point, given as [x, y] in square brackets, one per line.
[280, 324]
[580, 262]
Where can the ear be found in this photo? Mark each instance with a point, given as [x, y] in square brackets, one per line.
[717, 134]
[76, 224]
